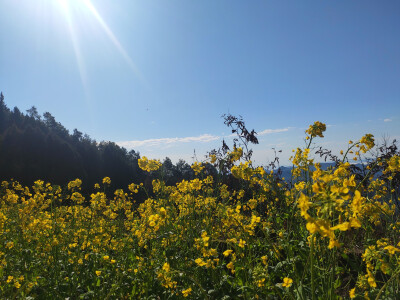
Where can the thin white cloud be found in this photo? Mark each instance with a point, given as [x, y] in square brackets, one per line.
[264, 132]
[387, 120]
[268, 131]
[204, 138]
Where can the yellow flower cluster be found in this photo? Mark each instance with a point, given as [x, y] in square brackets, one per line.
[367, 142]
[287, 282]
[164, 275]
[331, 201]
[149, 164]
[379, 258]
[106, 180]
[236, 154]
[393, 165]
[74, 184]
[197, 168]
[316, 129]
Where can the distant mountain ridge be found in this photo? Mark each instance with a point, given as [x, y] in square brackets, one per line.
[286, 172]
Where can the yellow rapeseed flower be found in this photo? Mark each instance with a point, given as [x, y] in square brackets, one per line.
[371, 280]
[311, 227]
[197, 167]
[186, 292]
[342, 227]
[106, 180]
[166, 267]
[264, 259]
[149, 165]
[213, 158]
[74, 184]
[369, 142]
[316, 129]
[287, 282]
[391, 249]
[200, 262]
[352, 293]
[227, 252]
[231, 267]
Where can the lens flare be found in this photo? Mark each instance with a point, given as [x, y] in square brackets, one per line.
[113, 38]
[75, 42]
[66, 7]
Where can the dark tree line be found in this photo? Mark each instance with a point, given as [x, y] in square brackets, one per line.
[36, 147]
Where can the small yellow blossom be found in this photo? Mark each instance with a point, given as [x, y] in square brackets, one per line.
[197, 167]
[227, 252]
[106, 180]
[186, 292]
[200, 262]
[166, 267]
[264, 259]
[391, 249]
[352, 293]
[287, 282]
[231, 267]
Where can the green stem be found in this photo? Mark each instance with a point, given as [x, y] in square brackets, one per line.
[348, 150]
[387, 282]
[312, 268]
[366, 176]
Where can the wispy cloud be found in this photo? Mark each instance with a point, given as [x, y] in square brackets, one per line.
[204, 138]
[268, 131]
[387, 120]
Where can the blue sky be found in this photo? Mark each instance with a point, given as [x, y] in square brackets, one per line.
[156, 76]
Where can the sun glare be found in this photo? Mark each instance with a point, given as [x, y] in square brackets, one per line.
[112, 37]
[65, 6]
[68, 7]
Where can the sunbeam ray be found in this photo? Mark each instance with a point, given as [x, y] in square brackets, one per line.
[75, 42]
[114, 40]
[78, 56]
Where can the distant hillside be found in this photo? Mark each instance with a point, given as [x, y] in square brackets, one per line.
[36, 147]
[286, 172]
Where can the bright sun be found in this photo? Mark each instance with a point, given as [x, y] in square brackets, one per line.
[67, 4]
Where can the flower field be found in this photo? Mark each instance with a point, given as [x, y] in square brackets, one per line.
[324, 234]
